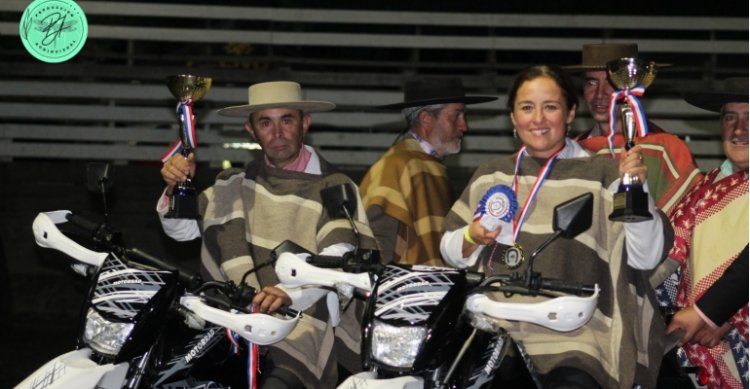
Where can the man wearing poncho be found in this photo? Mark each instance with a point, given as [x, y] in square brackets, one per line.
[248, 212]
[407, 192]
[711, 230]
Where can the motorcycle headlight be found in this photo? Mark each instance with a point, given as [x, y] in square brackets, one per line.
[396, 346]
[103, 335]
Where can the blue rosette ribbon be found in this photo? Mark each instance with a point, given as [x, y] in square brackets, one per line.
[497, 207]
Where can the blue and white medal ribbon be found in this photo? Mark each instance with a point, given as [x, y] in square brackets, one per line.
[185, 112]
[631, 98]
[496, 209]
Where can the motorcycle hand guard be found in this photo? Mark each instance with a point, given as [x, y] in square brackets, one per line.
[564, 313]
[258, 328]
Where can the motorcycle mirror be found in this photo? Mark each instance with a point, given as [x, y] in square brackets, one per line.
[568, 220]
[97, 177]
[98, 181]
[574, 216]
[339, 201]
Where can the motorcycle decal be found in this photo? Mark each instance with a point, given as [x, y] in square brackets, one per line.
[49, 377]
[485, 372]
[195, 349]
[411, 295]
[123, 291]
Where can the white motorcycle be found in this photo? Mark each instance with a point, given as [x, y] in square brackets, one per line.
[429, 327]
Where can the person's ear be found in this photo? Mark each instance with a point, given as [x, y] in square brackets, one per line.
[571, 115]
[426, 118]
[512, 119]
[306, 121]
[249, 129]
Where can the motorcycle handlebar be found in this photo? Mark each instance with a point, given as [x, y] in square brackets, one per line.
[520, 285]
[327, 261]
[348, 263]
[82, 222]
[575, 288]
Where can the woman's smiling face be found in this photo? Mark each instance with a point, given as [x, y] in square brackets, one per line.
[541, 116]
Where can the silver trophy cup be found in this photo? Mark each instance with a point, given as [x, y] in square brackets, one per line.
[630, 201]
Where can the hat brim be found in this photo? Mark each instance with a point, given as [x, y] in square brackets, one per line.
[308, 106]
[593, 68]
[714, 101]
[442, 100]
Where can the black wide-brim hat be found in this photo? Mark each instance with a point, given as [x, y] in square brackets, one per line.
[732, 90]
[429, 91]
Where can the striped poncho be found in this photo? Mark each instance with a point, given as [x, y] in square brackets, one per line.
[622, 343]
[245, 215]
[407, 194]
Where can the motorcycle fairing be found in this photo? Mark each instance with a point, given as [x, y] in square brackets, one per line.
[75, 369]
[129, 292]
[370, 380]
[416, 296]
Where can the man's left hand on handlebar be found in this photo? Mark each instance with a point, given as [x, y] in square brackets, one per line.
[270, 299]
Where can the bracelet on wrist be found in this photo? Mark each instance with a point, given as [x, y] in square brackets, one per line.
[467, 237]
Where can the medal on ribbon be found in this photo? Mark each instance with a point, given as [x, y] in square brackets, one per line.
[496, 209]
[514, 256]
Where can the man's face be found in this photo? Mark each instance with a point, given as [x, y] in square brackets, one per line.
[280, 132]
[448, 129]
[597, 91]
[734, 133]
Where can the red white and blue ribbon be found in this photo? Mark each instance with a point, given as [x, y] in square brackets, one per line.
[541, 176]
[252, 360]
[233, 340]
[631, 98]
[187, 120]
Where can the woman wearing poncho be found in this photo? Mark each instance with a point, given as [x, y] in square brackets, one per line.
[620, 345]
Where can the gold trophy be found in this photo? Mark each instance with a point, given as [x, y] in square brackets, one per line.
[631, 76]
[187, 89]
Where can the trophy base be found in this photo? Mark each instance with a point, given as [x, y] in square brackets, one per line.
[183, 205]
[630, 205]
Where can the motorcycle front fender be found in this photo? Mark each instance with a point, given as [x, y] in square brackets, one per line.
[75, 369]
[368, 379]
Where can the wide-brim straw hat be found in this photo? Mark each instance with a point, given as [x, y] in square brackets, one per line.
[732, 90]
[276, 94]
[594, 56]
[428, 91]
